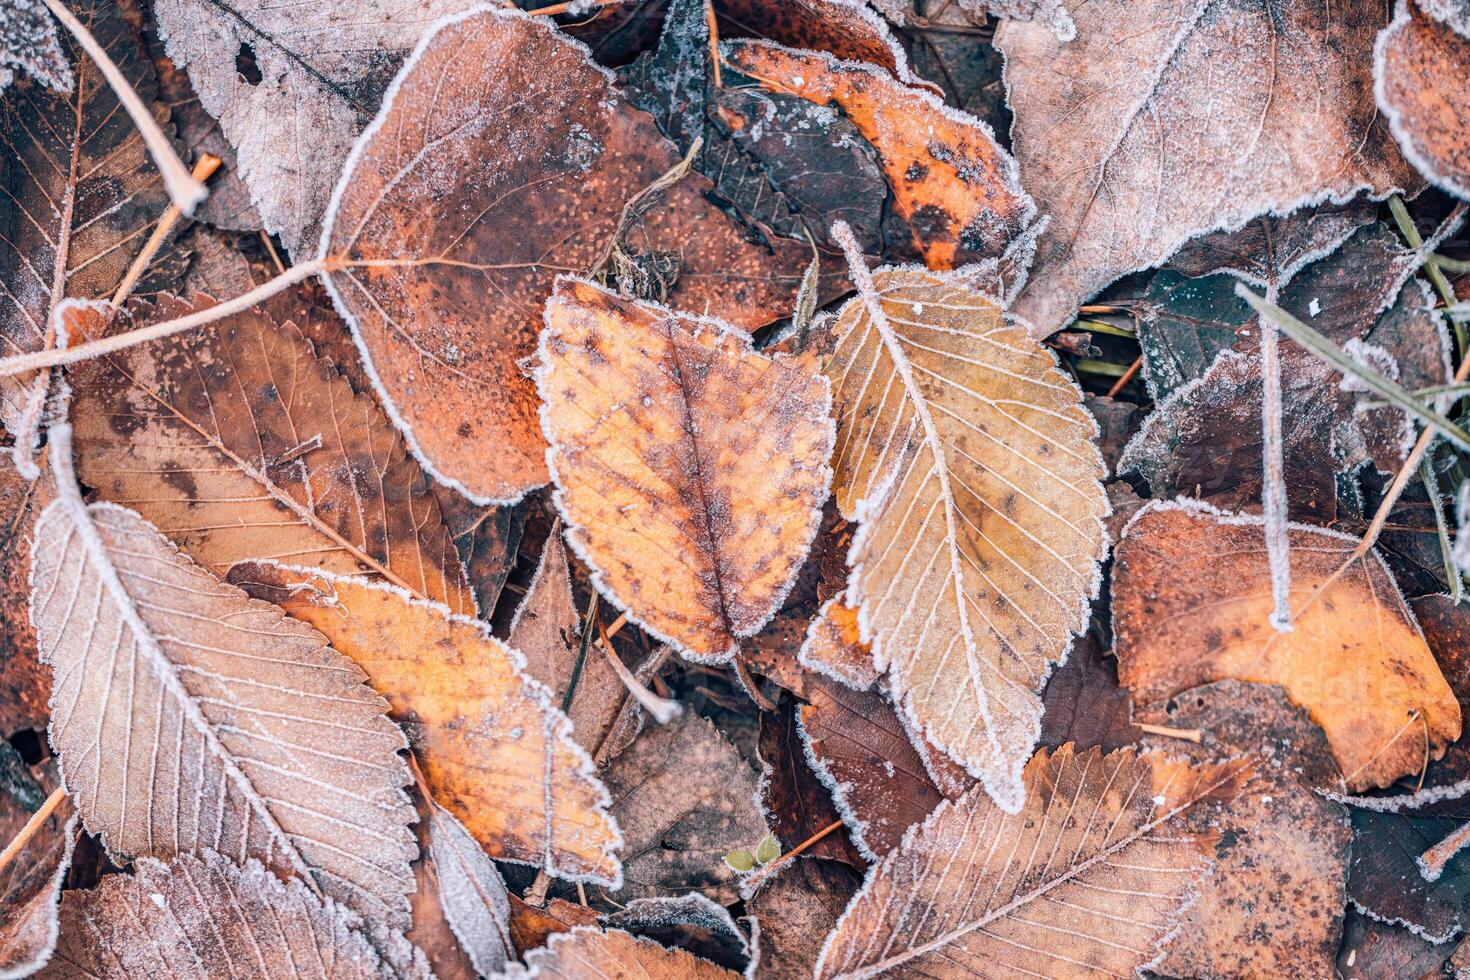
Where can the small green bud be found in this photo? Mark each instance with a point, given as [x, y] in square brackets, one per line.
[740, 860]
[768, 850]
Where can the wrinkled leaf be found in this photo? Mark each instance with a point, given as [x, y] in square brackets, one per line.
[690, 922]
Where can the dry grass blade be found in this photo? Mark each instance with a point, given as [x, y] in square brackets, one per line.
[969, 459]
[1084, 881]
[188, 717]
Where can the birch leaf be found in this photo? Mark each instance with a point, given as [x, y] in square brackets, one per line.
[505, 156]
[587, 951]
[1419, 71]
[239, 443]
[203, 917]
[970, 892]
[495, 751]
[1190, 598]
[1181, 118]
[28, 41]
[690, 469]
[188, 717]
[969, 459]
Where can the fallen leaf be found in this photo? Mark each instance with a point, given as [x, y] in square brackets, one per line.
[1418, 71]
[495, 751]
[487, 538]
[1083, 703]
[588, 951]
[547, 630]
[1451, 12]
[1189, 578]
[1234, 88]
[509, 214]
[261, 741]
[78, 186]
[689, 922]
[531, 927]
[834, 646]
[1271, 249]
[846, 29]
[953, 186]
[1109, 891]
[1387, 879]
[25, 687]
[28, 41]
[968, 458]
[1373, 950]
[205, 917]
[30, 885]
[684, 798]
[1273, 905]
[796, 910]
[471, 893]
[690, 469]
[798, 804]
[239, 443]
[1051, 14]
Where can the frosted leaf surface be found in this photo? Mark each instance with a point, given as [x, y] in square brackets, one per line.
[471, 892]
[589, 953]
[1271, 250]
[1051, 14]
[30, 884]
[28, 41]
[1419, 73]
[1455, 13]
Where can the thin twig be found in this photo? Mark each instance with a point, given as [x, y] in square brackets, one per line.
[1126, 377]
[573, 6]
[755, 880]
[1273, 473]
[32, 826]
[1187, 734]
[183, 190]
[203, 170]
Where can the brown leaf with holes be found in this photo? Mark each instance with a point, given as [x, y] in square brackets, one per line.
[239, 443]
[1419, 71]
[508, 215]
[1191, 593]
[1087, 879]
[690, 469]
[587, 951]
[495, 751]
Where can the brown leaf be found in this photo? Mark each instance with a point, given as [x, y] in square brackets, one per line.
[1180, 119]
[78, 187]
[205, 917]
[969, 891]
[1271, 250]
[30, 885]
[28, 41]
[690, 469]
[1273, 905]
[968, 458]
[487, 538]
[495, 751]
[546, 629]
[799, 805]
[846, 29]
[882, 783]
[191, 718]
[952, 183]
[512, 213]
[1419, 69]
[1083, 702]
[684, 798]
[240, 444]
[796, 910]
[834, 646]
[1191, 596]
[689, 922]
[25, 686]
[531, 927]
[587, 951]
[470, 892]
[1373, 950]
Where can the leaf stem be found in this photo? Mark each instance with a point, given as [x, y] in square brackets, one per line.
[32, 826]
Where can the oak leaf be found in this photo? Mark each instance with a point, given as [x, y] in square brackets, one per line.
[1179, 119]
[30, 884]
[495, 751]
[239, 443]
[203, 917]
[1419, 70]
[1087, 878]
[1190, 598]
[503, 157]
[690, 469]
[188, 717]
[969, 460]
[587, 951]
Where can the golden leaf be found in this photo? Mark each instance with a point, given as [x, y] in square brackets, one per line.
[587, 951]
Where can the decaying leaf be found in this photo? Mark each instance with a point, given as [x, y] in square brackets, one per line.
[521, 155]
[968, 458]
[1419, 70]
[495, 751]
[796, 910]
[76, 188]
[690, 922]
[25, 686]
[1271, 250]
[684, 798]
[587, 951]
[1182, 118]
[798, 803]
[239, 443]
[952, 184]
[834, 646]
[204, 917]
[1083, 702]
[1190, 603]
[188, 717]
[30, 885]
[1087, 878]
[531, 927]
[691, 470]
[28, 42]
[847, 29]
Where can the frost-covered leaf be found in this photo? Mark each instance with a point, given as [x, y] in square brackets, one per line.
[799, 805]
[1086, 879]
[1273, 905]
[1271, 250]
[189, 717]
[30, 884]
[504, 157]
[77, 186]
[691, 470]
[953, 186]
[531, 927]
[25, 685]
[968, 459]
[1387, 879]
[1083, 702]
[292, 89]
[1175, 119]
[1455, 13]
[846, 29]
[28, 42]
[1190, 603]
[204, 917]
[471, 893]
[689, 922]
[834, 646]
[587, 951]
[796, 910]
[684, 798]
[1419, 71]
[239, 443]
[1052, 14]
[547, 630]
[494, 750]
